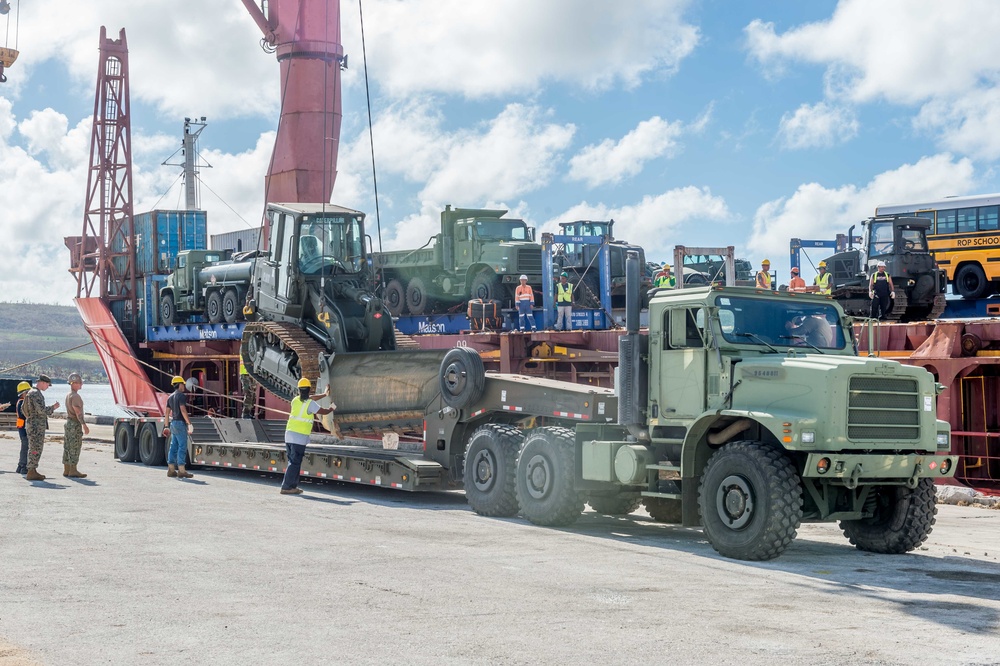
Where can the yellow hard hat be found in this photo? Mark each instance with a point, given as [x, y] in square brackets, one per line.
[305, 383]
[766, 262]
[22, 387]
[822, 264]
[177, 380]
[666, 267]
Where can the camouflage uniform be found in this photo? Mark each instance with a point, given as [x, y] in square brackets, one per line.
[36, 420]
[73, 431]
[249, 387]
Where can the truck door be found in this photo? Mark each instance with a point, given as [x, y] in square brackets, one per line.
[182, 283]
[465, 254]
[682, 364]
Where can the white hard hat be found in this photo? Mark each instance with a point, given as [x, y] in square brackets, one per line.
[523, 277]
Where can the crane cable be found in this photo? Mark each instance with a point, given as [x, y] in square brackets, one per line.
[371, 137]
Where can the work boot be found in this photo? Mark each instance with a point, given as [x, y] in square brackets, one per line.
[67, 470]
[76, 473]
[21, 470]
[171, 471]
[33, 475]
[183, 473]
[291, 491]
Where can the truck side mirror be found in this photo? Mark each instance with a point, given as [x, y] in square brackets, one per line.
[531, 233]
[369, 239]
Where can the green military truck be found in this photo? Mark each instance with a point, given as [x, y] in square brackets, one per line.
[743, 411]
[206, 284]
[479, 253]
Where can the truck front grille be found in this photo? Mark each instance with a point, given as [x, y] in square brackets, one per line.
[883, 408]
[529, 260]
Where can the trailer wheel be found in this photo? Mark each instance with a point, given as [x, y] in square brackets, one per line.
[750, 501]
[490, 468]
[615, 504]
[416, 297]
[663, 509]
[126, 447]
[231, 306]
[395, 297]
[462, 377]
[213, 308]
[902, 519]
[971, 282]
[168, 311]
[546, 472]
[151, 451]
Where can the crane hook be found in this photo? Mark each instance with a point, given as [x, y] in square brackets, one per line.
[4, 7]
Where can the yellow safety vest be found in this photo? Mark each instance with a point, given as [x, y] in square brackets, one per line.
[243, 368]
[823, 282]
[565, 292]
[299, 418]
[764, 283]
[665, 281]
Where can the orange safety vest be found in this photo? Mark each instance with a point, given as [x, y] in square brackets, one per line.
[524, 293]
[20, 418]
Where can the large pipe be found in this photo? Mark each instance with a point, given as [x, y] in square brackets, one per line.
[633, 300]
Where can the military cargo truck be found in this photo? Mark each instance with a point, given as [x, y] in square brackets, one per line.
[479, 253]
[743, 411]
[207, 284]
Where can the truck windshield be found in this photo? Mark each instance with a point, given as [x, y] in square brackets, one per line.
[776, 323]
[502, 230]
[331, 244]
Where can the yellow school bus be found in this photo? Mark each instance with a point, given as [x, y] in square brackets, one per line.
[964, 238]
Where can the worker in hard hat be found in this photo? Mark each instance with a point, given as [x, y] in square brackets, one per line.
[177, 420]
[564, 303]
[764, 275]
[301, 414]
[524, 296]
[22, 460]
[881, 291]
[822, 281]
[796, 283]
[664, 279]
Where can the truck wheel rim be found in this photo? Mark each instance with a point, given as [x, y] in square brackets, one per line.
[539, 476]
[455, 378]
[483, 468]
[734, 502]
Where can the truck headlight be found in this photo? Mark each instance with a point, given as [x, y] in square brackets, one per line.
[808, 436]
[942, 442]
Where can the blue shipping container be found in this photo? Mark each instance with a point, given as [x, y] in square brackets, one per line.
[149, 302]
[161, 234]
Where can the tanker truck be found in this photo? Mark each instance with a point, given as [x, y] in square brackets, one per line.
[209, 284]
[742, 411]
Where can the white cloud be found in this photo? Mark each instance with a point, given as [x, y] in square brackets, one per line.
[657, 222]
[817, 126]
[611, 162]
[818, 212]
[482, 49]
[941, 56]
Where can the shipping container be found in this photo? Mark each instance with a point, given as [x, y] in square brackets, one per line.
[161, 234]
[148, 288]
[241, 240]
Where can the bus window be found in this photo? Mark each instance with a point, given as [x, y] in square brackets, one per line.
[946, 221]
[966, 218]
[988, 218]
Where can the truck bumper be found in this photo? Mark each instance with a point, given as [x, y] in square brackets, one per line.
[852, 470]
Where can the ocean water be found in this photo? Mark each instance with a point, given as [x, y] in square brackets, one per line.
[97, 399]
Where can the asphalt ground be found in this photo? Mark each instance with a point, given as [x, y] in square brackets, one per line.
[130, 567]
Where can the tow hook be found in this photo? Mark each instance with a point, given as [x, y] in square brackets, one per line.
[852, 481]
[912, 482]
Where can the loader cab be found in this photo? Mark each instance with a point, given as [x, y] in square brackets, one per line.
[330, 244]
[897, 241]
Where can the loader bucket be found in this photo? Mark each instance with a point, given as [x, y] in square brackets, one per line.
[390, 387]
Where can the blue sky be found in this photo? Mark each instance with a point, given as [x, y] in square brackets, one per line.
[698, 123]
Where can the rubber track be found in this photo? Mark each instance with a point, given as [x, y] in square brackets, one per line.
[305, 347]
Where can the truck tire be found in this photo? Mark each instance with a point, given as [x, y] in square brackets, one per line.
[126, 446]
[546, 478]
[168, 311]
[416, 297]
[395, 298]
[970, 281]
[490, 470]
[231, 309]
[750, 501]
[486, 286]
[663, 509]
[614, 504]
[213, 308]
[151, 448]
[462, 377]
[902, 520]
